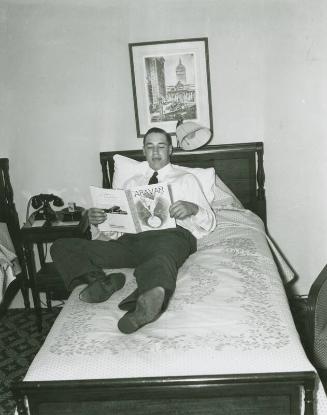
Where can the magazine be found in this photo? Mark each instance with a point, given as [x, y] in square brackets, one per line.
[134, 210]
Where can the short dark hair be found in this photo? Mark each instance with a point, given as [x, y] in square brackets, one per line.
[160, 131]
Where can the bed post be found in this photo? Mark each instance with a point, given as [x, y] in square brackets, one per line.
[20, 401]
[9, 196]
[261, 193]
[309, 386]
[9, 213]
[7, 185]
[105, 177]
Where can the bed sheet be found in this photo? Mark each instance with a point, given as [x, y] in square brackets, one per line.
[229, 315]
[9, 266]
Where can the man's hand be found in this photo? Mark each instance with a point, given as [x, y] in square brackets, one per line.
[182, 209]
[96, 216]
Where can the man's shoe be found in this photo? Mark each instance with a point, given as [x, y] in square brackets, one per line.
[148, 308]
[129, 303]
[102, 288]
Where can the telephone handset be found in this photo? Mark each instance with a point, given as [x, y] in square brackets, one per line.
[43, 208]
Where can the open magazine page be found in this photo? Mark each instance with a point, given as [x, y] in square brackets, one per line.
[151, 203]
[115, 204]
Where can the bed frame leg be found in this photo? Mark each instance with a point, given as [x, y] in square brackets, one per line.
[21, 408]
[308, 398]
[20, 401]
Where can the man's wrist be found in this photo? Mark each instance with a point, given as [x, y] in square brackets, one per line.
[195, 209]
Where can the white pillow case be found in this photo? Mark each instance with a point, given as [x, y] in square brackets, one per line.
[205, 177]
[223, 196]
[125, 168]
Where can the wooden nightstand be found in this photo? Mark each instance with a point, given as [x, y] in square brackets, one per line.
[47, 279]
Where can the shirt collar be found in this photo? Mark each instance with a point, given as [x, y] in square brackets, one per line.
[161, 173]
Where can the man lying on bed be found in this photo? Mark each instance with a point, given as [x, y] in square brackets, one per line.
[155, 255]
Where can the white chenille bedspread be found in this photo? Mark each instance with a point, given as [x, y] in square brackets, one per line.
[229, 314]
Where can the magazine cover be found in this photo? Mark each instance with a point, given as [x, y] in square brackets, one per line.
[152, 204]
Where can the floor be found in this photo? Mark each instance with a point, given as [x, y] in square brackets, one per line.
[19, 343]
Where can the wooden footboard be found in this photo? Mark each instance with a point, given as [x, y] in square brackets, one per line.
[255, 394]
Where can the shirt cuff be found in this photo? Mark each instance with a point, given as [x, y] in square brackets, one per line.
[98, 235]
[202, 218]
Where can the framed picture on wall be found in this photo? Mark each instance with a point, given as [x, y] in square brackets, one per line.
[171, 80]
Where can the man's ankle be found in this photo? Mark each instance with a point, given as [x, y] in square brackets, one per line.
[93, 276]
[102, 287]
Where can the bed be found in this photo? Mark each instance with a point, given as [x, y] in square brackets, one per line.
[227, 343]
[12, 270]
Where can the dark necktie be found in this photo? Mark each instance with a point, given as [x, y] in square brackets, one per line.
[154, 178]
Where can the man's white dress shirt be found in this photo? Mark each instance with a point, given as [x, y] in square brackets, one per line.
[184, 187]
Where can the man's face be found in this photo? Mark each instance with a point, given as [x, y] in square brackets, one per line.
[157, 151]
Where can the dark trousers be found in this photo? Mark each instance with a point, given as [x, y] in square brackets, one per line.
[155, 255]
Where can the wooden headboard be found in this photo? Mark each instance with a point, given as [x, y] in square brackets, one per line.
[240, 167]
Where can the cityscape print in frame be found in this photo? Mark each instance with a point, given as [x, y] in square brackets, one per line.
[171, 80]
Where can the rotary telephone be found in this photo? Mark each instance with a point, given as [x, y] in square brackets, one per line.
[43, 207]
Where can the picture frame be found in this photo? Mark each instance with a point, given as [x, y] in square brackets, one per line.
[170, 80]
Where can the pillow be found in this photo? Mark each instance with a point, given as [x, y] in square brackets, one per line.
[205, 177]
[125, 168]
[223, 196]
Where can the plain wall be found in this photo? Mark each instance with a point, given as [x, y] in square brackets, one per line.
[67, 95]
[5, 136]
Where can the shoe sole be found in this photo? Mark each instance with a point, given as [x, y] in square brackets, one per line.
[148, 309]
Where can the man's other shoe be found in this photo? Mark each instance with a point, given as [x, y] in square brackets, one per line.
[102, 288]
